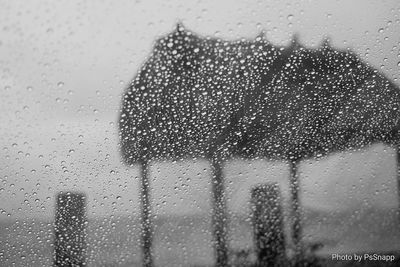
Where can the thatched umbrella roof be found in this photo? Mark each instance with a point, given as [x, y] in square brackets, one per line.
[203, 97]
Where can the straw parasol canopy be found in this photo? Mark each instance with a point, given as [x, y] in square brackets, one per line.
[205, 97]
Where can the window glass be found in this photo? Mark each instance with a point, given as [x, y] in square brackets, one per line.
[180, 110]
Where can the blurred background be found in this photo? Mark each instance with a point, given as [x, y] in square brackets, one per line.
[63, 68]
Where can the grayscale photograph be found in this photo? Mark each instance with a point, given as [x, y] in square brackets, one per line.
[199, 133]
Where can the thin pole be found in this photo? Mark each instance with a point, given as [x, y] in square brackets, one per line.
[219, 217]
[296, 213]
[146, 221]
[398, 176]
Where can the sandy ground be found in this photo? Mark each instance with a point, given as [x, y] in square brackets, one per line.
[186, 240]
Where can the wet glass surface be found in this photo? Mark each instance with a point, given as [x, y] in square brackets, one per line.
[176, 133]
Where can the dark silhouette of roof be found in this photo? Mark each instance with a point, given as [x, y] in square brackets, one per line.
[207, 97]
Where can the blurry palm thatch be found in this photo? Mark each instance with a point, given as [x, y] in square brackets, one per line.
[217, 99]
[202, 97]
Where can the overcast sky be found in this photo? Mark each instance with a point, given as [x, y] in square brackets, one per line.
[65, 64]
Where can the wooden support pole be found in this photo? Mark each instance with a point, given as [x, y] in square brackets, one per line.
[70, 220]
[146, 220]
[398, 177]
[296, 213]
[268, 228]
[219, 217]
